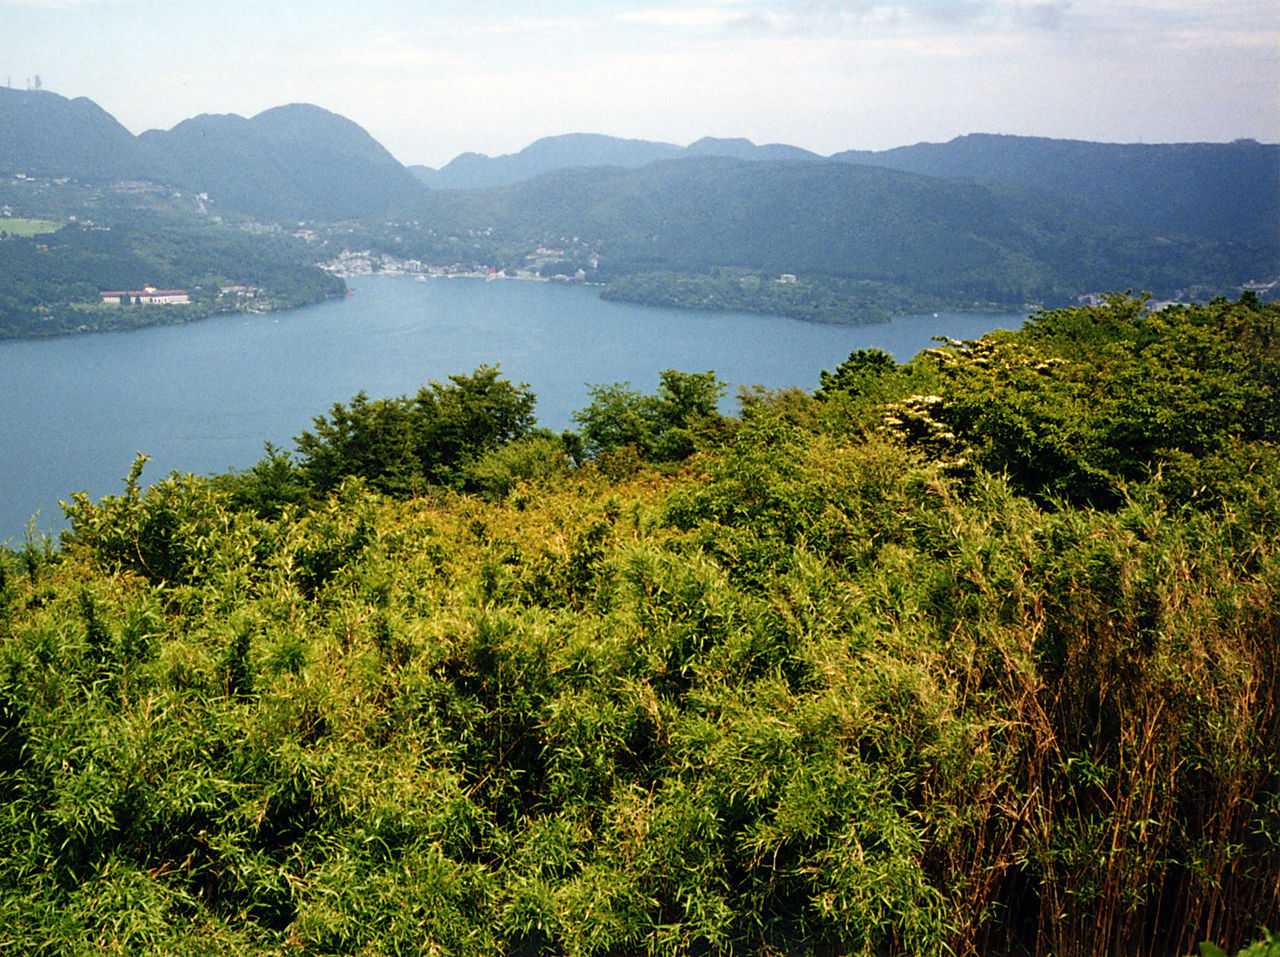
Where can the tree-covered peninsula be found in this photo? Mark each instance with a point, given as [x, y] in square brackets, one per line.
[975, 654]
[52, 283]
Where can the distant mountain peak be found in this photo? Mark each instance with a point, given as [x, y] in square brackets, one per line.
[297, 108]
[720, 142]
[580, 150]
[297, 161]
[45, 133]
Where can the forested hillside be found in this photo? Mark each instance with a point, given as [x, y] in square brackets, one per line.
[284, 164]
[50, 284]
[1225, 192]
[290, 163]
[982, 222]
[834, 225]
[44, 134]
[1215, 191]
[976, 654]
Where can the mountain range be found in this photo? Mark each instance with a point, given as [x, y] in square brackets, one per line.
[1219, 191]
[959, 239]
[1007, 214]
[1226, 192]
[293, 162]
[577, 150]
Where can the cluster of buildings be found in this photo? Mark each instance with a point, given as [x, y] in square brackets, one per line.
[146, 296]
[151, 296]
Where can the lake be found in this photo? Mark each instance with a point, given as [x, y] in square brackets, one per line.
[204, 397]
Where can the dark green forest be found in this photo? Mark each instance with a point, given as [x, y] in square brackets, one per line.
[973, 654]
[812, 299]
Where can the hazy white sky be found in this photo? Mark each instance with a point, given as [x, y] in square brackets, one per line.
[431, 80]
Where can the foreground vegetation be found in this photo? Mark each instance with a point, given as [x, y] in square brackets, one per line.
[976, 654]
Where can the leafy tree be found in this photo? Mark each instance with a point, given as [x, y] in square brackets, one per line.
[369, 438]
[1086, 399]
[403, 445]
[859, 374]
[457, 422]
[267, 487]
[664, 427]
[617, 416]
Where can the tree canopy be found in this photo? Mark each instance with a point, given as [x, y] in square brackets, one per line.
[406, 444]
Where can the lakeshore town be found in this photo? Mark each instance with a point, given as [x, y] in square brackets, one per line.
[366, 263]
[349, 263]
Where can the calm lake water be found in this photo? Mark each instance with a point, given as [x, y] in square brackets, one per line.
[204, 397]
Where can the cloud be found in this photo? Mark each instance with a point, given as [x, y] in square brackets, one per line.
[680, 17]
[51, 4]
[862, 16]
[1045, 16]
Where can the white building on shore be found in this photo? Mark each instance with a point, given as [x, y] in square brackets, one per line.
[146, 296]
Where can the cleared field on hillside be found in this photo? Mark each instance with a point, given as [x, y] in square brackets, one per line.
[27, 227]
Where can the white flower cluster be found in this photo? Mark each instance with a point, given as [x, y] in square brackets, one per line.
[912, 422]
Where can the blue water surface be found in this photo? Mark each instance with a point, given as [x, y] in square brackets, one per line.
[205, 396]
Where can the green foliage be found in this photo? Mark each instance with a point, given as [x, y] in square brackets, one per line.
[404, 445]
[177, 531]
[268, 487]
[537, 458]
[859, 374]
[826, 689]
[1267, 946]
[1084, 400]
[665, 427]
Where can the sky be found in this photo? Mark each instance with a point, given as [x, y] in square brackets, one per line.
[430, 80]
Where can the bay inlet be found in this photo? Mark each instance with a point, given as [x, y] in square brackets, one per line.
[205, 396]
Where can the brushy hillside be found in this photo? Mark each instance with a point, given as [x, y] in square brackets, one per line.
[976, 654]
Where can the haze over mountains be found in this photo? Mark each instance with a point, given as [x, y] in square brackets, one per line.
[983, 217]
